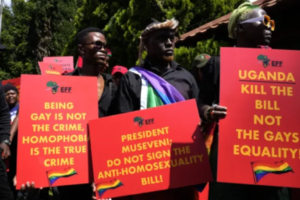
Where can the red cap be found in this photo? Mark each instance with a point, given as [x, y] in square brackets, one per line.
[119, 69]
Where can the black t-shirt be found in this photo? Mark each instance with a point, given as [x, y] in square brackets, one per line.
[85, 191]
[107, 95]
[128, 95]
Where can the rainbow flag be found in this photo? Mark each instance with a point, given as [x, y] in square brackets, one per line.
[56, 174]
[103, 187]
[262, 168]
[155, 90]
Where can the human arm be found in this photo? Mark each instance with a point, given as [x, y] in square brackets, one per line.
[209, 92]
[4, 124]
[14, 127]
[127, 97]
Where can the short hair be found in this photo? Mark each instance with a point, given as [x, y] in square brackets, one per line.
[7, 87]
[238, 15]
[83, 33]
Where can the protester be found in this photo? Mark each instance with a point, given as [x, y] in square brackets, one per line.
[91, 46]
[12, 99]
[248, 25]
[197, 66]
[5, 191]
[117, 73]
[138, 87]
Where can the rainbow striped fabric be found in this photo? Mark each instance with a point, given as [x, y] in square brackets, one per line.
[262, 168]
[155, 90]
[56, 174]
[103, 187]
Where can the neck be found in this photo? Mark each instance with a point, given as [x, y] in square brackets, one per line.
[89, 70]
[162, 65]
[245, 44]
[11, 106]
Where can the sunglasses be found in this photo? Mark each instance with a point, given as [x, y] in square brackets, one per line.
[266, 20]
[97, 44]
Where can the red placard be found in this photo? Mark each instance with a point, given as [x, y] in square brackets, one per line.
[15, 82]
[50, 69]
[52, 140]
[259, 139]
[138, 149]
[66, 62]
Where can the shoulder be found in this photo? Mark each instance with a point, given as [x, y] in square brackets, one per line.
[184, 71]
[131, 77]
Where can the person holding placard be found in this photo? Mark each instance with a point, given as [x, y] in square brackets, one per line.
[91, 44]
[251, 27]
[156, 82]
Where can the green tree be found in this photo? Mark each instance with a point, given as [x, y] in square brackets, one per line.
[18, 58]
[123, 21]
[32, 30]
[185, 55]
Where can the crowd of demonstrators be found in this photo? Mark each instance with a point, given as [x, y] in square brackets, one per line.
[125, 91]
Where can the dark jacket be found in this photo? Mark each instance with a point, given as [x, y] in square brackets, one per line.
[4, 116]
[107, 95]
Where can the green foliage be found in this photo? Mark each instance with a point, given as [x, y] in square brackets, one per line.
[32, 30]
[185, 55]
[123, 21]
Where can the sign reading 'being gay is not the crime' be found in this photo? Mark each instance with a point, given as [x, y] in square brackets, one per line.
[148, 150]
[52, 140]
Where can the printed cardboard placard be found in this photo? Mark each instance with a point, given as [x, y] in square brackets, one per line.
[50, 69]
[52, 136]
[149, 150]
[259, 139]
[66, 62]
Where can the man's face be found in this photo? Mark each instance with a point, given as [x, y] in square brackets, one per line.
[160, 45]
[93, 49]
[117, 78]
[11, 97]
[257, 32]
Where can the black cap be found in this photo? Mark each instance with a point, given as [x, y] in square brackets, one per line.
[2, 47]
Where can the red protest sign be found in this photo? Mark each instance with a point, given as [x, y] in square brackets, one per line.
[50, 69]
[155, 149]
[52, 140]
[15, 82]
[259, 139]
[66, 62]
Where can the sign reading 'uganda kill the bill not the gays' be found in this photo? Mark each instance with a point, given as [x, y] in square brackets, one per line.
[259, 139]
[149, 150]
[52, 140]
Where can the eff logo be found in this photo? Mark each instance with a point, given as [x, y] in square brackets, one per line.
[140, 121]
[55, 88]
[267, 62]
